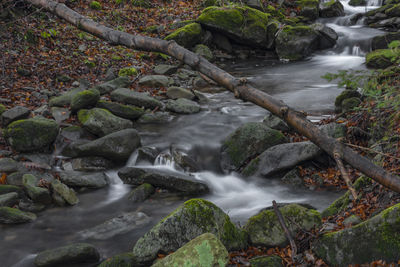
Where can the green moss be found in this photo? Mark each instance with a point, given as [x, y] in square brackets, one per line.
[85, 99]
[252, 167]
[95, 5]
[187, 36]
[344, 95]
[382, 58]
[129, 71]
[357, 2]
[308, 3]
[350, 103]
[121, 260]
[83, 115]
[2, 109]
[4, 189]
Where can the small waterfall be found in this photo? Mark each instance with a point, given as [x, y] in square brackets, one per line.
[165, 159]
[356, 51]
[374, 2]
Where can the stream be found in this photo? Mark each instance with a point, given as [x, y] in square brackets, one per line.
[200, 135]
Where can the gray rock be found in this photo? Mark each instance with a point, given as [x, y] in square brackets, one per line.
[8, 165]
[195, 217]
[246, 142]
[204, 246]
[350, 103]
[178, 92]
[123, 111]
[111, 74]
[101, 122]
[375, 238]
[122, 224]
[108, 87]
[6, 188]
[157, 117]
[146, 154]
[266, 261]
[141, 193]
[64, 99]
[274, 122]
[382, 41]
[331, 9]
[30, 206]
[327, 36]
[31, 134]
[333, 129]
[15, 178]
[9, 199]
[171, 180]
[78, 179]
[74, 133]
[85, 99]
[184, 161]
[222, 42]
[293, 178]
[204, 51]
[68, 255]
[183, 106]
[352, 220]
[60, 114]
[13, 114]
[264, 228]
[36, 193]
[164, 69]
[120, 260]
[117, 146]
[65, 192]
[127, 96]
[13, 216]
[154, 81]
[90, 164]
[281, 157]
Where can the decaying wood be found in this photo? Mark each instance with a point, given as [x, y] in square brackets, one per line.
[295, 119]
[286, 230]
[344, 173]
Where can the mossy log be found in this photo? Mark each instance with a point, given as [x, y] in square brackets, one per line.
[295, 119]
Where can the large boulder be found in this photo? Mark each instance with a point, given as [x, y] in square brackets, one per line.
[382, 58]
[374, 239]
[264, 228]
[243, 24]
[79, 179]
[187, 36]
[309, 9]
[204, 250]
[246, 142]
[193, 218]
[124, 111]
[127, 96]
[116, 146]
[122, 224]
[13, 114]
[85, 99]
[331, 9]
[31, 134]
[281, 157]
[345, 94]
[327, 37]
[382, 41]
[68, 255]
[171, 180]
[102, 122]
[13, 216]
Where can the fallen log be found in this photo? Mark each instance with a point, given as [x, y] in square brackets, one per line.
[239, 87]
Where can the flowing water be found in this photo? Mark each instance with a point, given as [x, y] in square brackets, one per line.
[298, 84]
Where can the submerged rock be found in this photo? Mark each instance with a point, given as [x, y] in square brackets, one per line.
[264, 228]
[171, 180]
[69, 255]
[31, 134]
[204, 250]
[13, 216]
[101, 122]
[281, 157]
[195, 217]
[374, 239]
[122, 224]
[246, 142]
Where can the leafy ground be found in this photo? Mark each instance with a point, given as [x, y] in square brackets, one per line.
[41, 52]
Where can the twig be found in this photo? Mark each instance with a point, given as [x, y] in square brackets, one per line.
[374, 151]
[286, 230]
[344, 173]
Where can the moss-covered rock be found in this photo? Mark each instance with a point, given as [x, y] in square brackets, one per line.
[121, 260]
[377, 238]
[36, 193]
[357, 2]
[346, 94]
[187, 36]
[246, 142]
[108, 87]
[203, 251]
[5, 189]
[183, 106]
[193, 218]
[393, 11]
[178, 92]
[141, 193]
[85, 99]
[2, 109]
[331, 9]
[296, 42]
[204, 51]
[67, 194]
[382, 58]
[123, 111]
[264, 228]
[64, 99]
[68, 255]
[95, 5]
[382, 41]
[243, 24]
[308, 9]
[138, 99]
[102, 122]
[350, 103]
[31, 134]
[266, 261]
[128, 71]
[12, 216]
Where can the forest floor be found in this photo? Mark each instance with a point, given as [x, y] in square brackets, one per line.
[42, 52]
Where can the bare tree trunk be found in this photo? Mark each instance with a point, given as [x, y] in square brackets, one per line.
[241, 89]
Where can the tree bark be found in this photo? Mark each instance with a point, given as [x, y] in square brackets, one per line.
[241, 89]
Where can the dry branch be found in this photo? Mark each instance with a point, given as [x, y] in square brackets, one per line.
[295, 119]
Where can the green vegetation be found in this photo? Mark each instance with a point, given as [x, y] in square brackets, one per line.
[95, 5]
